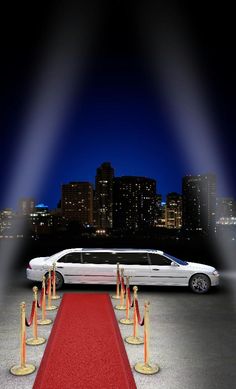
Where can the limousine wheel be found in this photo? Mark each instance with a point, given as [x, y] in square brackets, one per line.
[59, 280]
[200, 283]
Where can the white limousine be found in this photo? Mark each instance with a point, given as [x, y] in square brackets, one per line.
[146, 267]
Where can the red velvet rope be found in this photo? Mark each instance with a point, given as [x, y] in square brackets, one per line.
[52, 277]
[140, 322]
[48, 282]
[29, 322]
[39, 304]
[131, 303]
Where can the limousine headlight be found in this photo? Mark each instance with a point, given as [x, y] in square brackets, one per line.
[215, 273]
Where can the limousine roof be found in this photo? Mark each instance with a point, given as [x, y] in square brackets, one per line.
[124, 250]
[116, 250]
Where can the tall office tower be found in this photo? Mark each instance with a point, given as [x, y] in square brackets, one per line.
[173, 215]
[225, 207]
[103, 196]
[158, 201]
[40, 220]
[7, 220]
[26, 206]
[134, 202]
[159, 220]
[199, 202]
[77, 202]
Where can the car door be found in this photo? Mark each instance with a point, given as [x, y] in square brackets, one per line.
[98, 267]
[164, 271]
[69, 265]
[136, 265]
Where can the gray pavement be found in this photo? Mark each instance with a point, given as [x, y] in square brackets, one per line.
[193, 337]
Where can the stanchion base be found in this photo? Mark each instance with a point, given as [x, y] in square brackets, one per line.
[35, 341]
[44, 322]
[134, 340]
[146, 368]
[56, 297]
[115, 297]
[51, 308]
[120, 307]
[19, 370]
[126, 321]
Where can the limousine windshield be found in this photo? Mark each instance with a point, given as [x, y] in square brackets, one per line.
[179, 261]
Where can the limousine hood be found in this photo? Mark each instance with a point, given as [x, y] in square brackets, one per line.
[199, 267]
[38, 260]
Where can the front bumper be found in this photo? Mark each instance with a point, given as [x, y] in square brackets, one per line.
[34, 275]
[215, 279]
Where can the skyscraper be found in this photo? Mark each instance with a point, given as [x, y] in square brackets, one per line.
[225, 207]
[159, 220]
[40, 220]
[26, 206]
[134, 202]
[77, 202]
[103, 196]
[173, 217]
[199, 202]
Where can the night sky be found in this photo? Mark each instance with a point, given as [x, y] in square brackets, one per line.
[116, 110]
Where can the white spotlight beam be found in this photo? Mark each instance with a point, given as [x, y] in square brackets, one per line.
[177, 75]
[61, 68]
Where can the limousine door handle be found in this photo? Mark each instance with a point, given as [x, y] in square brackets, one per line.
[156, 269]
[60, 267]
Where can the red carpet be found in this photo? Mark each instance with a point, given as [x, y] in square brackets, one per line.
[85, 349]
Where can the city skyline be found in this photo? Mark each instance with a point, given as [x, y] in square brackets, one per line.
[52, 197]
[93, 183]
[127, 203]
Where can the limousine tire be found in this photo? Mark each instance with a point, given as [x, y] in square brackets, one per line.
[200, 283]
[59, 280]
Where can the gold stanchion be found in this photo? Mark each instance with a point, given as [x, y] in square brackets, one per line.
[50, 307]
[127, 319]
[117, 296]
[135, 339]
[54, 295]
[146, 367]
[23, 368]
[44, 321]
[35, 341]
[121, 306]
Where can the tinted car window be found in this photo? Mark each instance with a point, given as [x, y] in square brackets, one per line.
[113, 258]
[71, 258]
[159, 260]
[132, 258]
[99, 258]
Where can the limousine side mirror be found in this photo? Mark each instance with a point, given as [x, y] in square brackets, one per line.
[174, 263]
